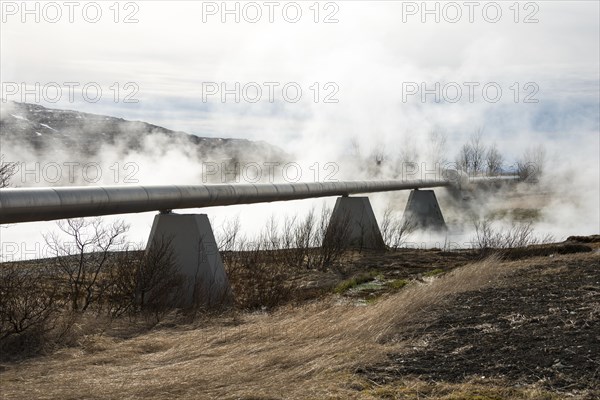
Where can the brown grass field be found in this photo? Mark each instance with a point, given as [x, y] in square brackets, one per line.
[480, 329]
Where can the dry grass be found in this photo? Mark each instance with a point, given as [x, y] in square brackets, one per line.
[472, 390]
[297, 353]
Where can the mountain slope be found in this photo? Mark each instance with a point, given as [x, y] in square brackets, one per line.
[46, 130]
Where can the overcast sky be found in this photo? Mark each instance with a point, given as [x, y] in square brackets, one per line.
[373, 52]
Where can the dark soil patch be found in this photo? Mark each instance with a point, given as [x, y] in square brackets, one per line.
[584, 239]
[543, 250]
[409, 263]
[542, 326]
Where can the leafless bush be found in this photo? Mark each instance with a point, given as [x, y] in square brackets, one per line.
[304, 232]
[120, 295]
[488, 237]
[159, 281]
[527, 171]
[144, 281]
[228, 238]
[41, 305]
[259, 270]
[262, 273]
[82, 259]
[395, 229]
[332, 236]
[29, 305]
[317, 242]
[28, 300]
[259, 275]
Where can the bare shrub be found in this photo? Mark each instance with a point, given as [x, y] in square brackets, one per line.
[29, 306]
[395, 229]
[228, 238]
[259, 276]
[315, 242]
[527, 171]
[289, 231]
[331, 239]
[51, 304]
[120, 296]
[296, 241]
[263, 272]
[82, 259]
[159, 281]
[488, 237]
[258, 270]
[304, 231]
[144, 281]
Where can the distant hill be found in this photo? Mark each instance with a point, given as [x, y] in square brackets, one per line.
[45, 130]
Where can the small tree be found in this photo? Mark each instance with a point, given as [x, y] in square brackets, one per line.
[494, 161]
[464, 160]
[477, 152]
[81, 260]
[472, 155]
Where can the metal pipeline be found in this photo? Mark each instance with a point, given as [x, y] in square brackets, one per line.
[46, 204]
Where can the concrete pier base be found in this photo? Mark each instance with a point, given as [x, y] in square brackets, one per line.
[353, 222]
[423, 211]
[197, 256]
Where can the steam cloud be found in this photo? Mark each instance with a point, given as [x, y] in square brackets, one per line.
[372, 131]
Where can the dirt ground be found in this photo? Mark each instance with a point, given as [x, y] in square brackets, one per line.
[540, 325]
